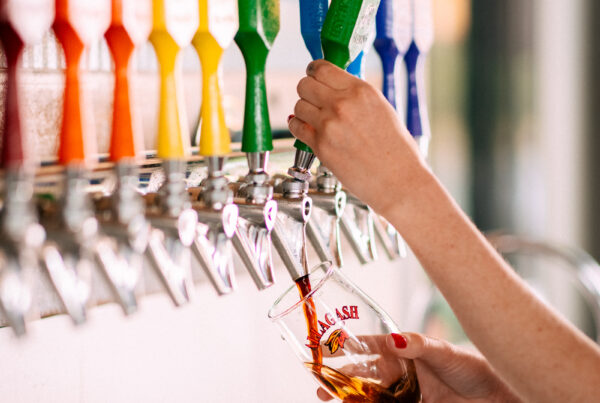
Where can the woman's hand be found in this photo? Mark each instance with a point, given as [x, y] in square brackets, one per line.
[446, 373]
[357, 134]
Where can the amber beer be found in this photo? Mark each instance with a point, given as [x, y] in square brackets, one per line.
[352, 388]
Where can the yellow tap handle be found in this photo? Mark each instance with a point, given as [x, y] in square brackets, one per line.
[173, 26]
[218, 25]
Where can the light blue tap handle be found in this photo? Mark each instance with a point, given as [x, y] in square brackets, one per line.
[312, 16]
[357, 67]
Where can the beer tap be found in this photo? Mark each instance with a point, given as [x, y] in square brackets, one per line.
[258, 28]
[74, 243]
[174, 23]
[340, 47]
[323, 228]
[121, 215]
[214, 201]
[421, 40]
[393, 38]
[21, 236]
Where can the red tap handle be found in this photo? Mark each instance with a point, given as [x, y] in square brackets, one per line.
[77, 24]
[20, 25]
[130, 26]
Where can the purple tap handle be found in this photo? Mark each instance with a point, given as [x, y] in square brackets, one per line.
[413, 111]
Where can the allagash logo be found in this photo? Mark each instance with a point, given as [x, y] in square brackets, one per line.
[337, 338]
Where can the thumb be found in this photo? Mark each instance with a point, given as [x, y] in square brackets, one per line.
[436, 353]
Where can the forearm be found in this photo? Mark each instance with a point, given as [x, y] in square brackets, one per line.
[537, 352]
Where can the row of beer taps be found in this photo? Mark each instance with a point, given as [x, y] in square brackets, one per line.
[77, 237]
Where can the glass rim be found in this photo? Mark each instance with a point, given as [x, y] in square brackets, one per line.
[274, 317]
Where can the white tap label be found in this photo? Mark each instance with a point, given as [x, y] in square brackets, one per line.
[402, 24]
[29, 18]
[90, 19]
[423, 24]
[181, 20]
[222, 20]
[363, 29]
[137, 19]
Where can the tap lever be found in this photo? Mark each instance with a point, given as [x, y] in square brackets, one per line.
[173, 274]
[289, 233]
[323, 229]
[212, 249]
[252, 240]
[358, 225]
[392, 241]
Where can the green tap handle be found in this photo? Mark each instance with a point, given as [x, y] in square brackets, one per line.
[259, 26]
[345, 33]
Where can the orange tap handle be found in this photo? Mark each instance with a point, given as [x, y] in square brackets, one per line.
[130, 26]
[77, 24]
[174, 24]
[20, 25]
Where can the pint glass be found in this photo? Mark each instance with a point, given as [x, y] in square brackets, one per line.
[339, 334]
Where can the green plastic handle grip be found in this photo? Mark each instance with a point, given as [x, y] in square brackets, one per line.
[259, 26]
[345, 33]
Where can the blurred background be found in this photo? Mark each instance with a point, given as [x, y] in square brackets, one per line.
[512, 89]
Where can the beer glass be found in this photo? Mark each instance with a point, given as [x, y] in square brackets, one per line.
[339, 334]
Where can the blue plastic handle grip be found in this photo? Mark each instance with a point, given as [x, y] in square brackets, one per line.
[413, 112]
[356, 67]
[386, 48]
[312, 16]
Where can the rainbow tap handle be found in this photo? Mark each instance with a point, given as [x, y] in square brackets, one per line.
[422, 40]
[259, 26]
[392, 39]
[21, 24]
[344, 35]
[174, 23]
[130, 27]
[78, 23]
[218, 25]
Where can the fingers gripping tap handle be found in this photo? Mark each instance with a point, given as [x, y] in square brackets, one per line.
[344, 34]
[218, 24]
[258, 28]
[130, 26]
[78, 23]
[20, 25]
[173, 27]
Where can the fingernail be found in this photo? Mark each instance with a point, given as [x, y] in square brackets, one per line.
[290, 118]
[399, 340]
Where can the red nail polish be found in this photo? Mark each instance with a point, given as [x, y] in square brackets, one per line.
[290, 118]
[399, 340]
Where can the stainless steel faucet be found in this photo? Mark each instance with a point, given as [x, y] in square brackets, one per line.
[323, 229]
[218, 218]
[21, 238]
[257, 215]
[169, 211]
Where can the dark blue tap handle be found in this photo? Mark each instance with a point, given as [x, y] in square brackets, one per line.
[312, 16]
[386, 48]
[413, 112]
